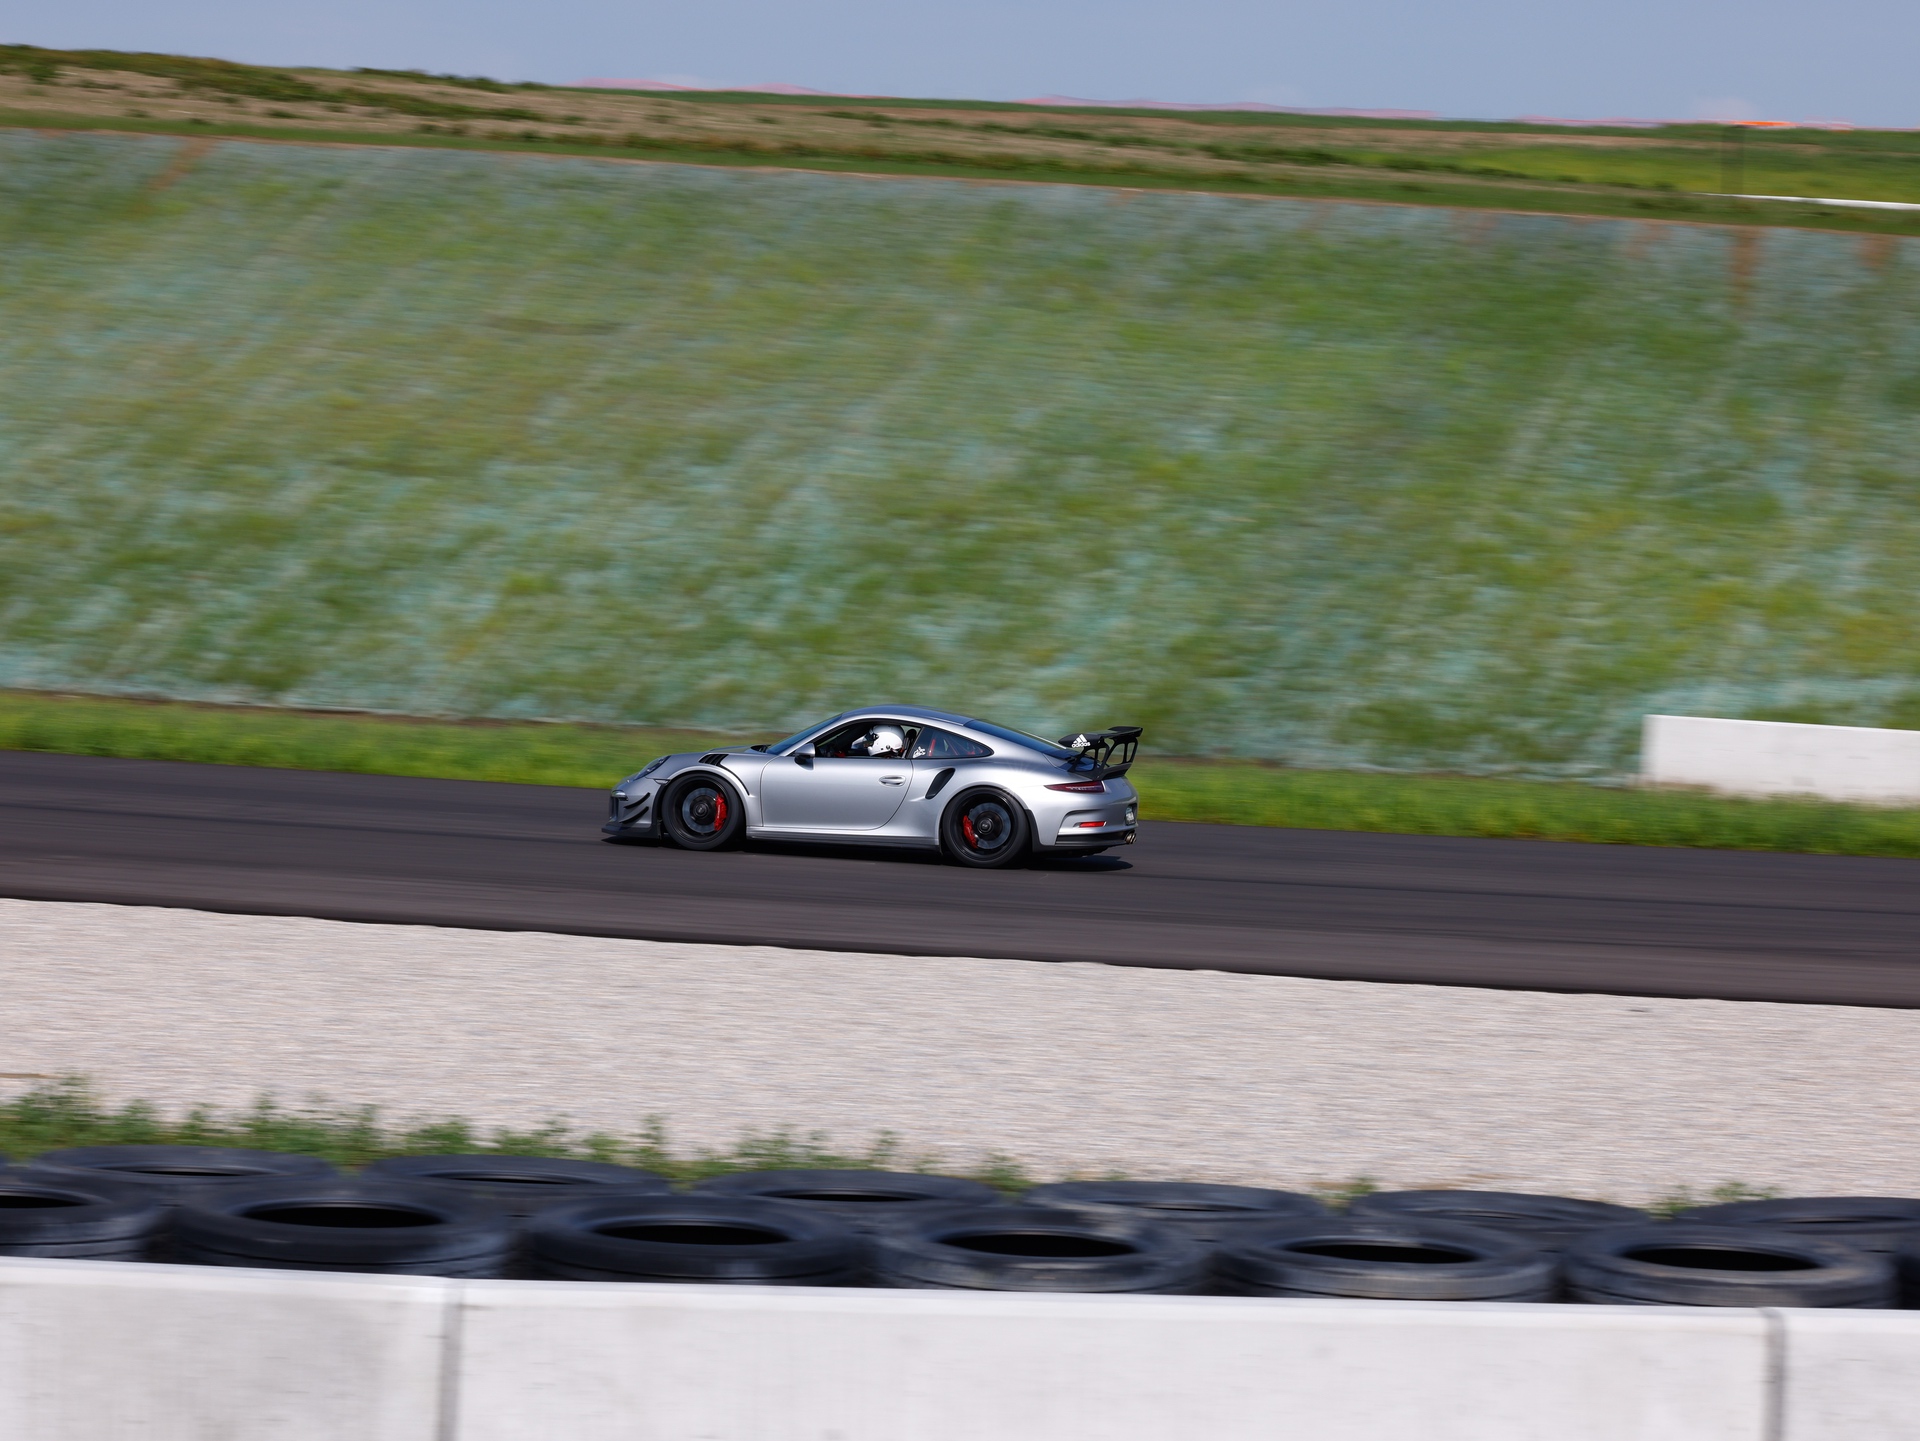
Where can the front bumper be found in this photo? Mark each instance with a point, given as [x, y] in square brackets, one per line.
[645, 830]
[632, 812]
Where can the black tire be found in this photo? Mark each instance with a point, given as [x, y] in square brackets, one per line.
[864, 1200]
[94, 1221]
[986, 829]
[1549, 1222]
[1907, 1263]
[1680, 1264]
[1386, 1259]
[172, 1169]
[1206, 1213]
[1867, 1223]
[702, 812]
[1036, 1248]
[725, 1240]
[519, 1185]
[343, 1224]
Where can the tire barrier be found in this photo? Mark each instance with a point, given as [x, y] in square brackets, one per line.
[519, 1185]
[1869, 1223]
[863, 1200]
[1037, 1248]
[455, 1215]
[337, 1223]
[1907, 1264]
[1399, 1258]
[95, 1222]
[719, 1240]
[1204, 1212]
[175, 1168]
[1677, 1263]
[1549, 1222]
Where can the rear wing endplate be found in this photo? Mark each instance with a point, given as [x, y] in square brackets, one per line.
[1109, 752]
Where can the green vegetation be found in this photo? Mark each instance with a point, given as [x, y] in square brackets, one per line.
[60, 1113]
[1725, 1193]
[552, 755]
[225, 77]
[1246, 794]
[1235, 793]
[1333, 485]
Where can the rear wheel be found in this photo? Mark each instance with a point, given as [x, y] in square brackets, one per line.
[703, 813]
[985, 829]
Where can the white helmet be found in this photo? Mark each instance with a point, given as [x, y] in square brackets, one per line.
[883, 740]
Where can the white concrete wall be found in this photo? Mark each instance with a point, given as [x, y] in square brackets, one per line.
[103, 1351]
[1760, 758]
[773, 1365]
[1850, 1376]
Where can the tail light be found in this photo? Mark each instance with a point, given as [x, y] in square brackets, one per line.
[1096, 788]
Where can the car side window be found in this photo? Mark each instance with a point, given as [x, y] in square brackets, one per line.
[939, 745]
[840, 743]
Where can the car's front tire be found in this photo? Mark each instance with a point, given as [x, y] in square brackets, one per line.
[703, 813]
[984, 829]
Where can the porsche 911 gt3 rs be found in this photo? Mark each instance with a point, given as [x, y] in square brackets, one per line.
[983, 794]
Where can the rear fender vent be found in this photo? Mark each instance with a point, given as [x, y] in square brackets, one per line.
[938, 782]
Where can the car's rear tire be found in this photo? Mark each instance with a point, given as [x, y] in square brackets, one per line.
[703, 813]
[985, 829]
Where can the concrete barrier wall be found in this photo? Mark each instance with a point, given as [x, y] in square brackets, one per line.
[1767, 758]
[102, 1351]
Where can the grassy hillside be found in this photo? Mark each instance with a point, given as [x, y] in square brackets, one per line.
[1331, 484]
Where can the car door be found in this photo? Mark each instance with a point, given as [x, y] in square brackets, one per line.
[940, 762]
[828, 792]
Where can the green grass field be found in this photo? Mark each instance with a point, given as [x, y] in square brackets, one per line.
[1327, 484]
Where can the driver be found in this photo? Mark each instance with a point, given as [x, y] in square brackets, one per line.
[882, 740]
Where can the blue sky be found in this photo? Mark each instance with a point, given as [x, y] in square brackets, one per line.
[1846, 59]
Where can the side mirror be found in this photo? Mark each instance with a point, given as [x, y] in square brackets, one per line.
[803, 754]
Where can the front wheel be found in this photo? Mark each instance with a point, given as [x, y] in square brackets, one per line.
[703, 813]
[984, 829]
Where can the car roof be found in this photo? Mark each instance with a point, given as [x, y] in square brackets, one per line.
[906, 712]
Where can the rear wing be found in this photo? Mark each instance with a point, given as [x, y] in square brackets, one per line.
[1109, 752]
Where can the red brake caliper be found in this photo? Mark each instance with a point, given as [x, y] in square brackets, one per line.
[719, 811]
[966, 829]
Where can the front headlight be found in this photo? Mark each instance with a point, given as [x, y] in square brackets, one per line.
[640, 774]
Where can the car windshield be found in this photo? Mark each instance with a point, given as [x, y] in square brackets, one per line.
[1023, 738]
[780, 748]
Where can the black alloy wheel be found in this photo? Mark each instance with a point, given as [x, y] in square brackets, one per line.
[984, 828]
[704, 813]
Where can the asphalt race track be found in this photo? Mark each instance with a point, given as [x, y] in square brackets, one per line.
[1527, 914]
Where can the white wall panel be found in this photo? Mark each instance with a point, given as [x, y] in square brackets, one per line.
[114, 1351]
[1851, 1376]
[1758, 758]
[665, 1363]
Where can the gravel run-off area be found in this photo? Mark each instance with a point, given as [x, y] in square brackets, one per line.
[1067, 1069]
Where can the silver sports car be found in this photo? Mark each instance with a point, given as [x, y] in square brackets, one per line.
[984, 794]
